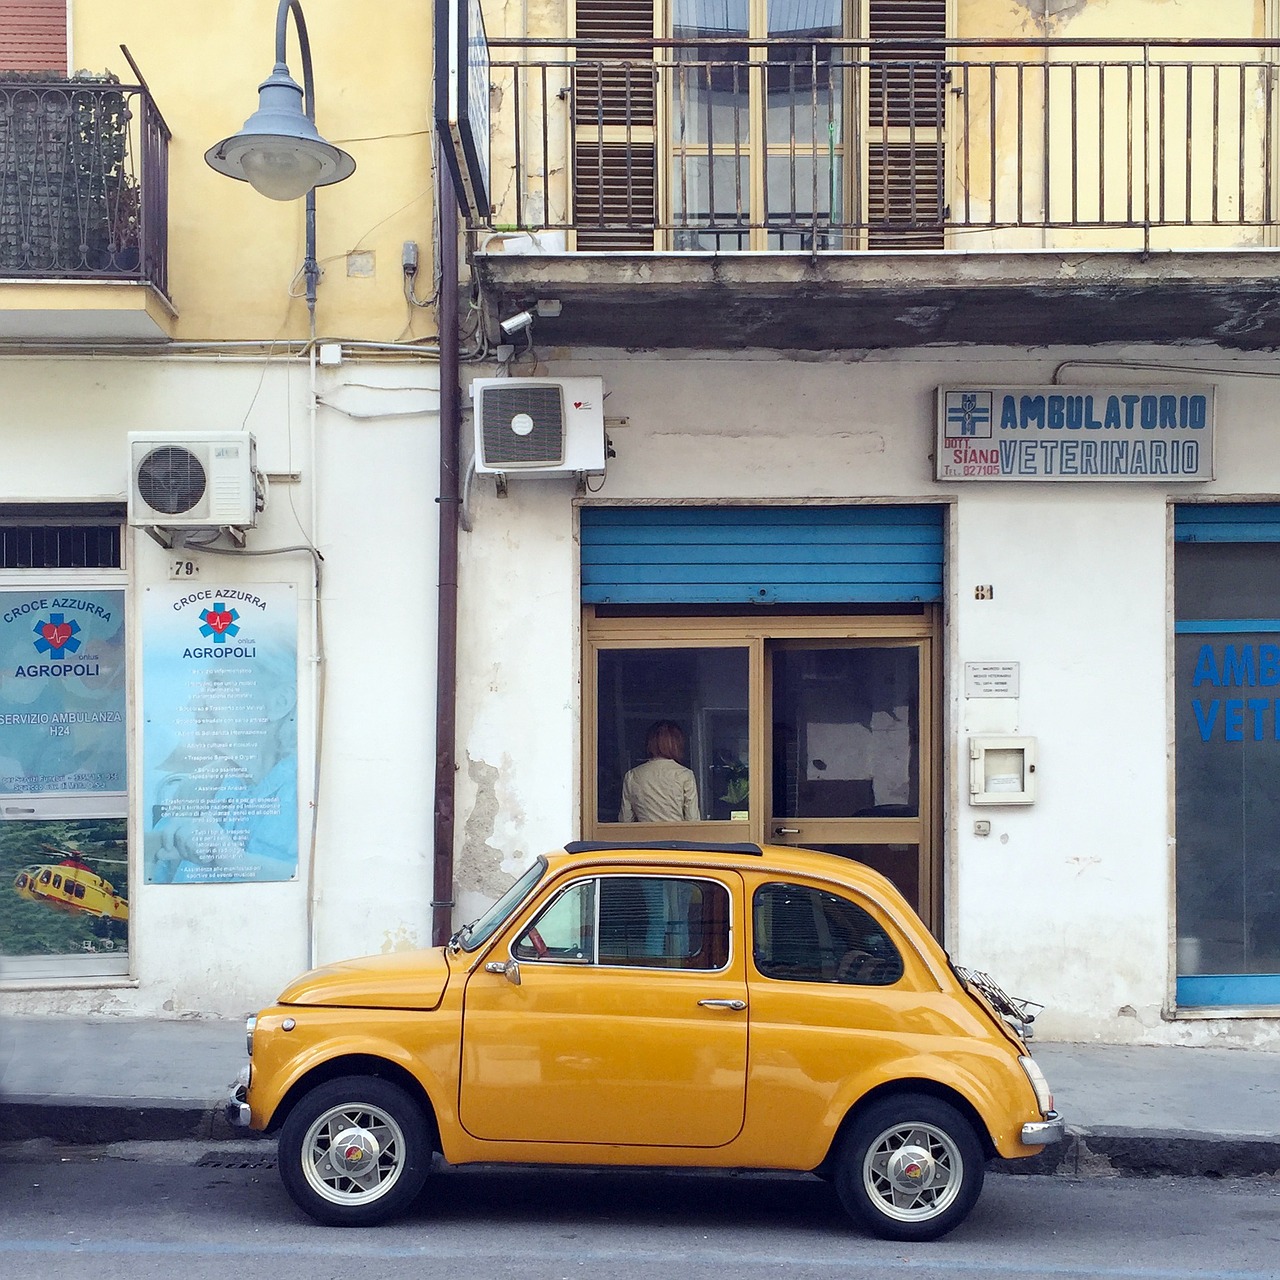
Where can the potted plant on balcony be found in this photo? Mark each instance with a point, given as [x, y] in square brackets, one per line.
[65, 184]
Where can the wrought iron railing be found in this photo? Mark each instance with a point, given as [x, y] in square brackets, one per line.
[84, 181]
[1016, 144]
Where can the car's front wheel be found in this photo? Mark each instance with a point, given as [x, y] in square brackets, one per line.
[354, 1151]
[911, 1168]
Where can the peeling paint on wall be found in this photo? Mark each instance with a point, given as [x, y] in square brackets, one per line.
[403, 939]
[479, 866]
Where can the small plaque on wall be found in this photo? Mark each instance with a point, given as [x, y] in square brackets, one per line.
[991, 679]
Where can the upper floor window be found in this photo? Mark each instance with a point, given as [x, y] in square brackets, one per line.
[33, 36]
[739, 135]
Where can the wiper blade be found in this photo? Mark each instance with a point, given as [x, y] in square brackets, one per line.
[461, 935]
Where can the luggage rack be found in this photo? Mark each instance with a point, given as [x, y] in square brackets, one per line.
[1019, 1014]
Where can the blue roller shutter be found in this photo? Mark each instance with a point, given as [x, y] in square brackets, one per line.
[1221, 522]
[761, 555]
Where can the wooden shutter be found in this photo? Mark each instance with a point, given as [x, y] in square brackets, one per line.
[614, 95]
[33, 35]
[905, 118]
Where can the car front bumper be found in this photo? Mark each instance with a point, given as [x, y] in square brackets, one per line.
[237, 1109]
[1042, 1132]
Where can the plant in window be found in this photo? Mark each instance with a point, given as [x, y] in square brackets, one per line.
[737, 783]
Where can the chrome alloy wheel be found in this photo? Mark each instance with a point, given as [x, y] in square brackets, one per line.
[353, 1154]
[913, 1172]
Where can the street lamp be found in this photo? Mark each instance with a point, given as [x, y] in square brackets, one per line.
[279, 152]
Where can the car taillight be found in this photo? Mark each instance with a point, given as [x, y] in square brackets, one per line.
[1044, 1095]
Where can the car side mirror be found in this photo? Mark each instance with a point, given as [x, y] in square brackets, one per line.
[510, 969]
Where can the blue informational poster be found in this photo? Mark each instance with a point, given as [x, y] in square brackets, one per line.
[220, 735]
[62, 690]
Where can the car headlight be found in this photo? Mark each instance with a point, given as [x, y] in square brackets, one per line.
[249, 1024]
[1044, 1095]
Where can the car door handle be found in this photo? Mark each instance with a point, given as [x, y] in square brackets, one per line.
[786, 831]
[722, 1004]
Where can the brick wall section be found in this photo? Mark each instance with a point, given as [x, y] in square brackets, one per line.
[33, 35]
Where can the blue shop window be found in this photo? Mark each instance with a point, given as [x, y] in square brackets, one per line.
[1227, 691]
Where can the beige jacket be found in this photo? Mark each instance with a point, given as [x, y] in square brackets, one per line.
[659, 790]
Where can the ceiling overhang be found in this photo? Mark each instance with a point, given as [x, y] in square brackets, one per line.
[876, 301]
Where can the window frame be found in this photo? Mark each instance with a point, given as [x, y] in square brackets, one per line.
[864, 907]
[593, 961]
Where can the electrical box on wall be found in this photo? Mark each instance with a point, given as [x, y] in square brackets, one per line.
[1002, 770]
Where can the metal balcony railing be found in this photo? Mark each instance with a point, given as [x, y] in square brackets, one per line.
[846, 145]
[84, 181]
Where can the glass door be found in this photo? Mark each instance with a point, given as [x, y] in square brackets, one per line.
[813, 731]
[846, 732]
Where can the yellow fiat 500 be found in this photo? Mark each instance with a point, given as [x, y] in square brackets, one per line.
[719, 1006]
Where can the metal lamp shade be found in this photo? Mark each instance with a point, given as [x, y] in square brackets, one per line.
[279, 151]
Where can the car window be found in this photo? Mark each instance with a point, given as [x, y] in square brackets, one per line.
[652, 922]
[477, 934]
[804, 934]
[563, 931]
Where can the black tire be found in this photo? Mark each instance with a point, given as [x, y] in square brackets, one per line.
[383, 1131]
[911, 1168]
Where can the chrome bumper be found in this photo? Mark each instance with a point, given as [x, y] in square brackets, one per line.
[237, 1109]
[1042, 1132]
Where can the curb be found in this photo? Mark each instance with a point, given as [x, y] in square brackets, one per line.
[93, 1123]
[1109, 1153]
[1086, 1153]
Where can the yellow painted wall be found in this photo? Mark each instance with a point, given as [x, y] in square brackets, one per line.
[232, 253]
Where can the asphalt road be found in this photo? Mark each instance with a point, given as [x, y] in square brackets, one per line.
[176, 1210]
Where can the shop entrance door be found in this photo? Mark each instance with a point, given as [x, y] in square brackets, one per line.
[845, 736]
[816, 731]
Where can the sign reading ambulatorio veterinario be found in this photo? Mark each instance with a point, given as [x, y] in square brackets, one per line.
[1154, 434]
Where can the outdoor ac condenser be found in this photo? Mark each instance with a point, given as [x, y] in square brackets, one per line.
[184, 480]
[538, 426]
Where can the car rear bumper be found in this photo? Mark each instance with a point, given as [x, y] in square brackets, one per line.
[1042, 1132]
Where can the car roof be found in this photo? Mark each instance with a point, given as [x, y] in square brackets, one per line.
[791, 859]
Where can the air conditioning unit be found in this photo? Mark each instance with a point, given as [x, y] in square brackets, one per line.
[200, 479]
[539, 426]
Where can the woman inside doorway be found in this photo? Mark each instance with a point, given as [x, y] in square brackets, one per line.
[661, 789]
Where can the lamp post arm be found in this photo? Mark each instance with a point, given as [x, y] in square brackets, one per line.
[304, 46]
[310, 267]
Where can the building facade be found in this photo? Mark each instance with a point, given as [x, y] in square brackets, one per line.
[913, 363]
[217, 753]
[938, 513]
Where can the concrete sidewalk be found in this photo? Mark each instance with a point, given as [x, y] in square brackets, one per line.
[1129, 1109]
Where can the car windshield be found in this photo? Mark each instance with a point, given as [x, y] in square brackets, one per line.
[480, 931]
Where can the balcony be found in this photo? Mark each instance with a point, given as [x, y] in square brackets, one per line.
[83, 211]
[843, 194]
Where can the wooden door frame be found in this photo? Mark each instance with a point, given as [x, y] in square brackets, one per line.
[752, 631]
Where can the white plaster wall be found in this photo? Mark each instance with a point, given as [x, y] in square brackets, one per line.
[1068, 901]
[518, 683]
[223, 949]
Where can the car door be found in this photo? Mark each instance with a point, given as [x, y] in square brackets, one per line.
[628, 1025]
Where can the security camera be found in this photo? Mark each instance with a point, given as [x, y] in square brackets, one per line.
[517, 323]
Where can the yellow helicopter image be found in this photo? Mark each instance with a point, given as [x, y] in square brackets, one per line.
[71, 885]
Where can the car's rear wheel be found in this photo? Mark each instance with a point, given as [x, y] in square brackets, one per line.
[911, 1168]
[354, 1151]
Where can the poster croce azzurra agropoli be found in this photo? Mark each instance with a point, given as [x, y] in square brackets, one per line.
[220, 738]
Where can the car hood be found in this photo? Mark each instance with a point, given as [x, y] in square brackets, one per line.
[403, 980]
